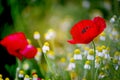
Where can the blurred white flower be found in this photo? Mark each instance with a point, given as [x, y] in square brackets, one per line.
[26, 66]
[21, 74]
[50, 34]
[86, 51]
[62, 62]
[112, 20]
[97, 62]
[90, 55]
[66, 23]
[45, 47]
[17, 68]
[107, 56]
[77, 54]
[101, 75]
[87, 65]
[116, 67]
[26, 77]
[117, 55]
[51, 54]
[86, 4]
[35, 77]
[97, 65]
[99, 52]
[102, 36]
[38, 55]
[36, 35]
[71, 65]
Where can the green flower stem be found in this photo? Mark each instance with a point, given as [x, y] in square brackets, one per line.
[45, 56]
[96, 74]
[17, 71]
[48, 63]
[85, 73]
[40, 43]
[53, 45]
[94, 47]
[49, 66]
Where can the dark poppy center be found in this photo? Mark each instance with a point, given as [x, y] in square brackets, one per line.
[18, 50]
[85, 29]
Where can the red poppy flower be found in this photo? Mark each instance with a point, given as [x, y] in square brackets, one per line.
[86, 30]
[15, 44]
[29, 51]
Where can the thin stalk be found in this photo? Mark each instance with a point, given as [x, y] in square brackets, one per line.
[49, 66]
[94, 48]
[48, 63]
[40, 43]
[17, 69]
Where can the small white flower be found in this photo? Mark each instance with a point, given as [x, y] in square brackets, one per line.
[35, 77]
[71, 66]
[38, 55]
[102, 38]
[119, 58]
[50, 35]
[17, 68]
[77, 56]
[36, 35]
[104, 51]
[25, 66]
[21, 74]
[107, 56]
[97, 65]
[87, 66]
[101, 76]
[112, 20]
[45, 47]
[51, 55]
[101, 54]
[85, 53]
[26, 77]
[116, 67]
[90, 57]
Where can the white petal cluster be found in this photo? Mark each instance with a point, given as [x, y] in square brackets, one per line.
[36, 35]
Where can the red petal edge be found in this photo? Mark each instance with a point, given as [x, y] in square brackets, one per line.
[71, 41]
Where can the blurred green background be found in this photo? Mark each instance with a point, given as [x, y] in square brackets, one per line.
[40, 15]
[29, 16]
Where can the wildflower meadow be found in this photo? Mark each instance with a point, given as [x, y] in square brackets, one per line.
[60, 40]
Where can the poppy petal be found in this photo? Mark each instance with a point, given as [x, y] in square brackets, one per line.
[86, 30]
[14, 43]
[100, 22]
[72, 41]
[29, 51]
[15, 53]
